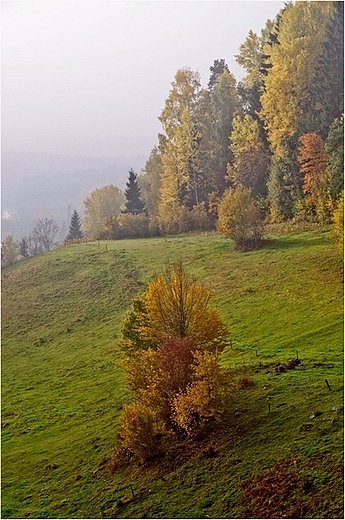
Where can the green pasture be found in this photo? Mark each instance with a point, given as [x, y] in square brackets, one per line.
[63, 391]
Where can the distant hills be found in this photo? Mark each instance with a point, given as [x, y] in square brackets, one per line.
[52, 185]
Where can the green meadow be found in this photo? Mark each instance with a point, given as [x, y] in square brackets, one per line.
[63, 390]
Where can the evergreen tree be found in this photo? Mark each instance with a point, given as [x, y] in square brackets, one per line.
[24, 248]
[335, 151]
[75, 227]
[225, 104]
[328, 84]
[134, 203]
[280, 186]
[219, 66]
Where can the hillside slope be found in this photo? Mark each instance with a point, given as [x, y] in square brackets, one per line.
[63, 391]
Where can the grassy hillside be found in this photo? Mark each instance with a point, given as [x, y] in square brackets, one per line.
[63, 392]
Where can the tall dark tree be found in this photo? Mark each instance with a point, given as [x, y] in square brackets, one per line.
[75, 230]
[224, 104]
[335, 151]
[134, 203]
[24, 247]
[219, 66]
[328, 84]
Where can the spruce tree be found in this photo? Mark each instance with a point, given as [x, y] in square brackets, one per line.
[134, 203]
[75, 230]
[219, 66]
[328, 84]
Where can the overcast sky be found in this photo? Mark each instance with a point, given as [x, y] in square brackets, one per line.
[91, 77]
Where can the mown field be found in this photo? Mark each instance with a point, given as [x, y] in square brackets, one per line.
[278, 452]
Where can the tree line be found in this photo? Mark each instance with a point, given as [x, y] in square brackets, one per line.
[234, 156]
[269, 148]
[278, 133]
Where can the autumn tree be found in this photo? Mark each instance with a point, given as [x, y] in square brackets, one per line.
[174, 306]
[186, 93]
[102, 204]
[186, 150]
[134, 203]
[250, 57]
[240, 219]
[172, 339]
[313, 167]
[10, 251]
[250, 157]
[75, 231]
[286, 100]
[150, 180]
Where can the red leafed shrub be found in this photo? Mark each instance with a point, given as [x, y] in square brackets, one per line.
[175, 365]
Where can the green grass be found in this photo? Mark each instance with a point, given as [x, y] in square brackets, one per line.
[63, 391]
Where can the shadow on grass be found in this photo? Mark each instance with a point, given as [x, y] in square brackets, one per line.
[293, 242]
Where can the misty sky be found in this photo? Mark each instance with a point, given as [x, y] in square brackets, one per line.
[91, 77]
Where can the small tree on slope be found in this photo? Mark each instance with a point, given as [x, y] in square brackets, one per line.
[75, 230]
[134, 203]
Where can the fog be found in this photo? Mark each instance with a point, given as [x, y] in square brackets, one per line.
[90, 78]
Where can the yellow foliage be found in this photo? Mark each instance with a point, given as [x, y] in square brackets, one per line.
[338, 220]
[287, 86]
[204, 399]
[178, 307]
[139, 428]
[141, 370]
[239, 218]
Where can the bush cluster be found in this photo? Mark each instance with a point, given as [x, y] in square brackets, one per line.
[179, 389]
[172, 340]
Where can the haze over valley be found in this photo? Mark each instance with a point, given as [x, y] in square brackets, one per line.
[51, 185]
[83, 85]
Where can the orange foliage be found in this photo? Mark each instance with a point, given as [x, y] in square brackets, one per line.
[313, 165]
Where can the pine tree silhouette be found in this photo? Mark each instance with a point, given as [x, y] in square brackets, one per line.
[134, 203]
[75, 230]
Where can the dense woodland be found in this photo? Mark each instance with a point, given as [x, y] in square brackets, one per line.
[279, 132]
[233, 156]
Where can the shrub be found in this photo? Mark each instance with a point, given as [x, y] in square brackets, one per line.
[240, 219]
[133, 226]
[139, 429]
[204, 399]
[174, 219]
[245, 382]
[175, 366]
[141, 370]
[200, 219]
